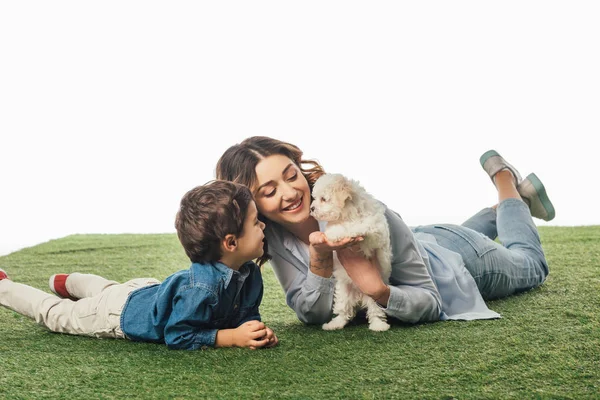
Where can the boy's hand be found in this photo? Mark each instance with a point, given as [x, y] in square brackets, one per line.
[272, 339]
[251, 334]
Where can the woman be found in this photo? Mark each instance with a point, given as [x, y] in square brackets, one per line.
[438, 271]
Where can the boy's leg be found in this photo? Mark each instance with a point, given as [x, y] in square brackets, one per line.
[86, 285]
[97, 316]
[24, 299]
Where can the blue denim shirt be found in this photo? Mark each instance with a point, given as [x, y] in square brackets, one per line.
[186, 310]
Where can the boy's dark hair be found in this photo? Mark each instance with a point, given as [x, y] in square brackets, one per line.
[207, 214]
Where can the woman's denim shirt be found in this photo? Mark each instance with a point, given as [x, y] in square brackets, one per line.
[186, 310]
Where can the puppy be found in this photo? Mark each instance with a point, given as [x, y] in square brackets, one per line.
[350, 211]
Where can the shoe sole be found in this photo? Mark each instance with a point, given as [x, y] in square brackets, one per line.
[542, 196]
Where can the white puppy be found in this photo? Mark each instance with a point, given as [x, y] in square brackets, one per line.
[350, 211]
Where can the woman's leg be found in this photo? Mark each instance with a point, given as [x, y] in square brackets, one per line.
[484, 222]
[531, 190]
[516, 265]
[520, 264]
[499, 270]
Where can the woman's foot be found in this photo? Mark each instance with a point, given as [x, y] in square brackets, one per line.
[531, 189]
[533, 192]
[492, 163]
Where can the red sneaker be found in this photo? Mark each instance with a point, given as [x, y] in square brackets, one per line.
[57, 283]
[3, 274]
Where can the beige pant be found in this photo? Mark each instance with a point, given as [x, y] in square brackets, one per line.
[96, 313]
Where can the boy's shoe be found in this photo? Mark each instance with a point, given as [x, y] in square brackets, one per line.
[57, 283]
[492, 163]
[533, 192]
[3, 274]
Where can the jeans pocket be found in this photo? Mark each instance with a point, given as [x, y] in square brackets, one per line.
[480, 243]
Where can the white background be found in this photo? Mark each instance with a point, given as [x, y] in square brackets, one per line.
[110, 111]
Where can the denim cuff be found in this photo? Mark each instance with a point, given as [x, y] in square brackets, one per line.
[205, 339]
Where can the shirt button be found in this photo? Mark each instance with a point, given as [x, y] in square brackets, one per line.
[235, 307]
[204, 347]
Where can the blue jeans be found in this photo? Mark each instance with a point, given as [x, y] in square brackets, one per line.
[516, 265]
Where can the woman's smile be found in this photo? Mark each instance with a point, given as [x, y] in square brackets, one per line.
[282, 193]
[294, 207]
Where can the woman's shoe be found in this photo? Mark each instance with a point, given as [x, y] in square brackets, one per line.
[533, 192]
[492, 163]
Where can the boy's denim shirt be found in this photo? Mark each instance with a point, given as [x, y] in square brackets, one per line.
[186, 310]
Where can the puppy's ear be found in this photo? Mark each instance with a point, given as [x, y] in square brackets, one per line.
[345, 190]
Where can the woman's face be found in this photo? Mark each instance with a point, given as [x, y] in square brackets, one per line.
[282, 193]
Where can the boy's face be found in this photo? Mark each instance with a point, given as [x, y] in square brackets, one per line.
[250, 244]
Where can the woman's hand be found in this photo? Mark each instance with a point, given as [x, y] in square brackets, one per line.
[323, 245]
[321, 252]
[364, 273]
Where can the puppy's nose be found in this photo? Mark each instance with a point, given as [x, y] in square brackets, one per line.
[312, 208]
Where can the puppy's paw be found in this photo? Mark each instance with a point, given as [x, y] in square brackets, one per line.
[379, 325]
[336, 323]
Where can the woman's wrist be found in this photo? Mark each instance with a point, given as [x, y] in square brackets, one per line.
[321, 263]
[383, 296]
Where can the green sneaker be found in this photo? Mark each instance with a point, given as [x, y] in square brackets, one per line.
[533, 192]
[492, 163]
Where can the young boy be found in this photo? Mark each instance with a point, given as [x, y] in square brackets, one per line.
[214, 303]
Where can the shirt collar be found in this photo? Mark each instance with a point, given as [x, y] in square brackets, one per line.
[229, 273]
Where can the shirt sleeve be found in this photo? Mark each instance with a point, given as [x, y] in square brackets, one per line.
[413, 294]
[187, 327]
[309, 295]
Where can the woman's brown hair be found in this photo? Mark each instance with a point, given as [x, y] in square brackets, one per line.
[238, 164]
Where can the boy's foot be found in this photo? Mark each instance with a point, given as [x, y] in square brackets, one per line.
[3, 274]
[492, 163]
[533, 192]
[58, 285]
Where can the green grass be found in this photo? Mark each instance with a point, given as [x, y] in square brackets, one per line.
[547, 345]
